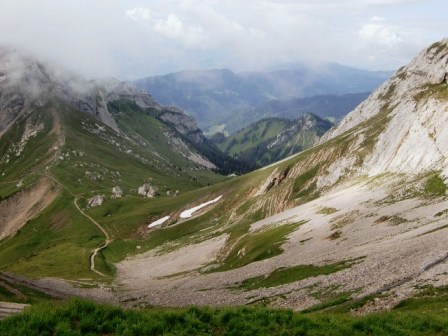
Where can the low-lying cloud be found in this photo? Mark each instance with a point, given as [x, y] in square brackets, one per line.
[137, 38]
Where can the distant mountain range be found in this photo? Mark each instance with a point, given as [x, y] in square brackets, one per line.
[212, 96]
[331, 107]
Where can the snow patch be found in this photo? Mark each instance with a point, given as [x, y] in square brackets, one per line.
[188, 213]
[159, 222]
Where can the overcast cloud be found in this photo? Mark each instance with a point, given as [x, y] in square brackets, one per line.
[137, 38]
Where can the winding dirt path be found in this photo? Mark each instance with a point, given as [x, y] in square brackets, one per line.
[106, 243]
[106, 234]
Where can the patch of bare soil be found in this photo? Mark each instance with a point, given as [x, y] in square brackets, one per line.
[23, 206]
[150, 265]
[57, 128]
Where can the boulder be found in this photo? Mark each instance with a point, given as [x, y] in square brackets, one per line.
[96, 201]
[117, 192]
[147, 190]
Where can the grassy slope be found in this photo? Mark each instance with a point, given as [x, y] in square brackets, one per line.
[422, 317]
[11, 291]
[286, 275]
[259, 245]
[56, 243]
[106, 152]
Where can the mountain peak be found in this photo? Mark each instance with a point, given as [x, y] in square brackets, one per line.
[403, 120]
[431, 63]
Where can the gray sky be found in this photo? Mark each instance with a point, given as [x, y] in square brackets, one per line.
[136, 38]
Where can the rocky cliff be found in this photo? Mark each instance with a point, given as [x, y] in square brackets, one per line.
[401, 126]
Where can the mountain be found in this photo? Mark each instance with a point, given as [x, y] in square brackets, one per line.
[403, 121]
[272, 139]
[332, 107]
[355, 223]
[212, 96]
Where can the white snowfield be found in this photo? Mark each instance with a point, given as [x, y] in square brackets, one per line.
[159, 222]
[188, 213]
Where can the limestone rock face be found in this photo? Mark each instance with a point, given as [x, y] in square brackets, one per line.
[429, 67]
[273, 180]
[95, 201]
[401, 127]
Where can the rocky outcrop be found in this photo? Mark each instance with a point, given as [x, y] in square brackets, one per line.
[272, 181]
[114, 89]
